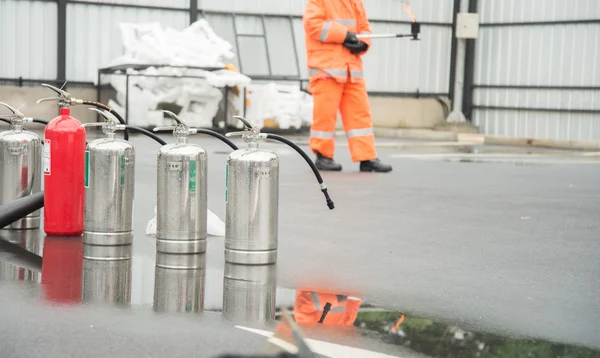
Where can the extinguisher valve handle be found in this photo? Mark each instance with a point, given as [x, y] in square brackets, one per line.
[231, 134]
[15, 112]
[60, 91]
[95, 124]
[160, 129]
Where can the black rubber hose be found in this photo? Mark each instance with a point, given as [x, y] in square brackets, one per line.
[35, 120]
[146, 132]
[40, 121]
[112, 111]
[216, 135]
[15, 210]
[19, 256]
[310, 163]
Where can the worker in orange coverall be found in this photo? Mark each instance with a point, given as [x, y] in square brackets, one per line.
[336, 81]
[325, 308]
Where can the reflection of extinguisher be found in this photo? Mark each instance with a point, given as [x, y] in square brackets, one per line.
[62, 269]
[63, 164]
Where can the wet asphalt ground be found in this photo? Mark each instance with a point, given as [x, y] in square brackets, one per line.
[505, 245]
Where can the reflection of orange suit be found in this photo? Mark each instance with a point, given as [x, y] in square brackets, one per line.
[309, 308]
[336, 77]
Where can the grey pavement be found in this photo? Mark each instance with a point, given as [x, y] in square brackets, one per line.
[504, 247]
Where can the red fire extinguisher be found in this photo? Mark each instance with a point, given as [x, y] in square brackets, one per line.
[62, 266]
[64, 171]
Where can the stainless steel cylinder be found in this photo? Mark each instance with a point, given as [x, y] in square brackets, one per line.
[252, 197]
[20, 171]
[179, 282]
[181, 199]
[109, 192]
[107, 274]
[249, 292]
[18, 267]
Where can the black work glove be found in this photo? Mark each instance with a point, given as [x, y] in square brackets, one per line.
[350, 38]
[353, 44]
[356, 48]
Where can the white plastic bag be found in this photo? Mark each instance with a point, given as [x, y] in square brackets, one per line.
[215, 226]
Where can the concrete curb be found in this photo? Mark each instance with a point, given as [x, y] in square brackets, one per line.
[420, 134]
[433, 135]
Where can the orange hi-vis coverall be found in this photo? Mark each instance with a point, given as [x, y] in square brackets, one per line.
[309, 306]
[336, 77]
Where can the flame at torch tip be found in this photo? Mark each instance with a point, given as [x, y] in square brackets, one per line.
[407, 10]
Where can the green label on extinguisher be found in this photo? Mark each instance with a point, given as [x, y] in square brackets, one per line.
[192, 176]
[87, 170]
[226, 183]
[123, 163]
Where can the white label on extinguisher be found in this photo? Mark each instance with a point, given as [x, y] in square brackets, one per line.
[46, 159]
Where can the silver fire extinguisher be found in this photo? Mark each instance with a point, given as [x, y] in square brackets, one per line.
[109, 186]
[20, 166]
[107, 275]
[249, 292]
[252, 199]
[179, 282]
[181, 193]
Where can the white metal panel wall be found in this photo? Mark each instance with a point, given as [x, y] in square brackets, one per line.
[392, 65]
[402, 65]
[184, 4]
[543, 55]
[535, 56]
[94, 37]
[538, 10]
[28, 39]
[424, 10]
[279, 7]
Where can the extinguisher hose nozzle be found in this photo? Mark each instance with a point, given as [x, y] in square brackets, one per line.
[310, 163]
[330, 203]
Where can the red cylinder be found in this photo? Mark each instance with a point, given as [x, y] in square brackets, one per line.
[62, 267]
[64, 166]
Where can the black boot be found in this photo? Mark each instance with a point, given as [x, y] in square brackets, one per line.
[324, 163]
[374, 165]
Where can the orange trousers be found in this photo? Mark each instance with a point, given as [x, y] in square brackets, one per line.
[352, 101]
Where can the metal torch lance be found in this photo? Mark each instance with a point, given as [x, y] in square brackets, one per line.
[415, 29]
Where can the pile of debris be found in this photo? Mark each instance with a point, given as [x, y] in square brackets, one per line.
[187, 73]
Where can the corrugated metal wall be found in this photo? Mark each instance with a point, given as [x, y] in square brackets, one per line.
[392, 65]
[28, 39]
[537, 73]
[93, 38]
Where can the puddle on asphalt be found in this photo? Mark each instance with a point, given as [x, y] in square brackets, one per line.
[70, 272]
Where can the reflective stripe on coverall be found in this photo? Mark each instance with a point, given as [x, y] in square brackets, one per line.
[308, 308]
[336, 77]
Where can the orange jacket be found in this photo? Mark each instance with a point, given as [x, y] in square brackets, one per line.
[326, 23]
[309, 306]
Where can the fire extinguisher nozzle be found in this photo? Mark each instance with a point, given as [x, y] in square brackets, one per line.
[330, 203]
